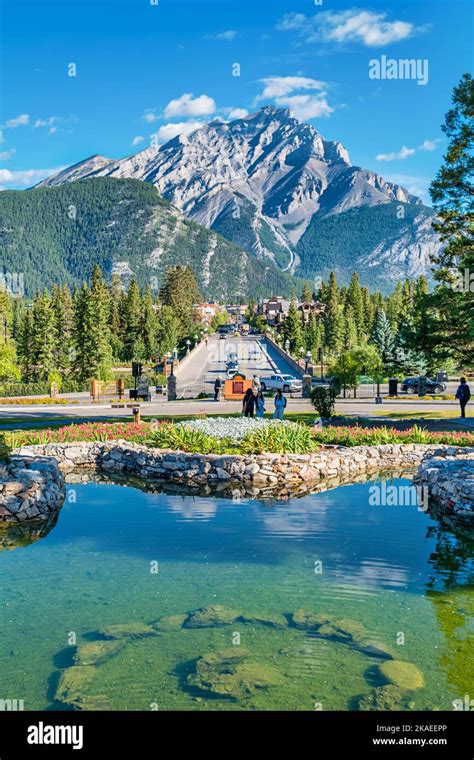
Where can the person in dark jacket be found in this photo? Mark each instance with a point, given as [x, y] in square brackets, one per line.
[463, 394]
[248, 404]
[217, 388]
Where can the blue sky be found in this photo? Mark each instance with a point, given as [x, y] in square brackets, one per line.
[146, 69]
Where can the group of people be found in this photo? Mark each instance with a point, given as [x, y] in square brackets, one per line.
[253, 403]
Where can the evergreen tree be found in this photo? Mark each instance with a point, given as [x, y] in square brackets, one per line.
[292, 328]
[42, 338]
[180, 291]
[451, 311]
[333, 317]
[61, 302]
[167, 332]
[133, 322]
[149, 325]
[384, 340]
[306, 294]
[355, 302]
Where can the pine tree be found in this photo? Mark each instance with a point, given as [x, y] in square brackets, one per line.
[350, 339]
[132, 320]
[306, 294]
[149, 325]
[384, 340]
[61, 302]
[333, 317]
[42, 338]
[180, 291]
[354, 300]
[451, 312]
[292, 328]
[115, 316]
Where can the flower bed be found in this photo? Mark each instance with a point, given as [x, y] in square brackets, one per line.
[24, 401]
[229, 436]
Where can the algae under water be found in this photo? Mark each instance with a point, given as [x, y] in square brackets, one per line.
[118, 555]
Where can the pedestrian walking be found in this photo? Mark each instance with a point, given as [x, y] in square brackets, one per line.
[217, 388]
[280, 404]
[248, 403]
[260, 404]
[463, 394]
[256, 385]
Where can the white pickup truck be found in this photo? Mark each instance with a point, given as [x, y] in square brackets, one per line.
[285, 383]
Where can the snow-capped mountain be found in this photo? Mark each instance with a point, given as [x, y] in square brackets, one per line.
[260, 181]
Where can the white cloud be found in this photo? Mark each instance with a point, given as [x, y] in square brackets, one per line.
[399, 155]
[53, 130]
[430, 145]
[18, 121]
[356, 25]
[5, 155]
[1, 136]
[45, 122]
[280, 86]
[25, 178]
[168, 131]
[150, 116]
[306, 106]
[137, 140]
[305, 97]
[235, 113]
[228, 35]
[186, 105]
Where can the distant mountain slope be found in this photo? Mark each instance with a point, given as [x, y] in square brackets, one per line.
[260, 181]
[372, 240]
[55, 234]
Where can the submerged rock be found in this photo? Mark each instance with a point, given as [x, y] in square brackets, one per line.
[343, 630]
[211, 616]
[308, 620]
[383, 698]
[73, 683]
[272, 621]
[171, 622]
[229, 673]
[127, 631]
[97, 652]
[376, 649]
[405, 675]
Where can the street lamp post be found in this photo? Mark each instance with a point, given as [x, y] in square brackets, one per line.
[188, 344]
[307, 360]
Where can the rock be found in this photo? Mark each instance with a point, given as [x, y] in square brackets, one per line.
[383, 698]
[308, 620]
[170, 623]
[228, 673]
[343, 630]
[97, 652]
[72, 684]
[127, 631]
[272, 621]
[376, 649]
[405, 675]
[211, 616]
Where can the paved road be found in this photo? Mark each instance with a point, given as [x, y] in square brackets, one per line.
[254, 355]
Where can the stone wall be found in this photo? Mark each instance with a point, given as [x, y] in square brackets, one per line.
[450, 482]
[256, 475]
[31, 488]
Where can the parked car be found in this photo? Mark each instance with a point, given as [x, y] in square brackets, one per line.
[222, 336]
[286, 383]
[411, 384]
[231, 373]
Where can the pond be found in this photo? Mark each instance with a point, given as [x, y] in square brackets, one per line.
[120, 555]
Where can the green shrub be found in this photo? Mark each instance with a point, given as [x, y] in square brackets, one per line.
[323, 398]
[4, 449]
[291, 438]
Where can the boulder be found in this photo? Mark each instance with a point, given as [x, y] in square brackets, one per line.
[345, 630]
[383, 698]
[405, 675]
[170, 623]
[228, 673]
[97, 652]
[272, 621]
[73, 683]
[376, 649]
[127, 631]
[308, 620]
[211, 616]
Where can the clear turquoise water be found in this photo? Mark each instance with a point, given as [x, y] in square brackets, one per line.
[391, 568]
